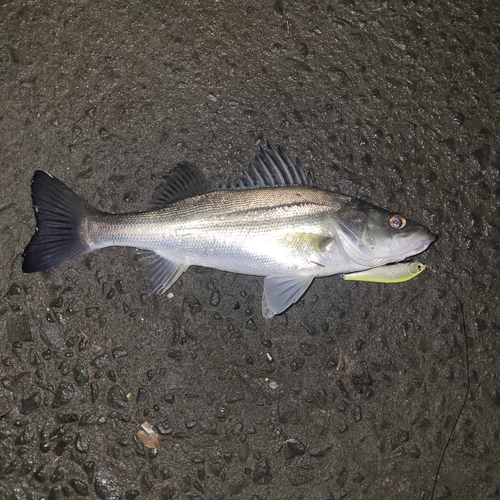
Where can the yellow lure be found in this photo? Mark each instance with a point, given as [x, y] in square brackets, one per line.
[394, 273]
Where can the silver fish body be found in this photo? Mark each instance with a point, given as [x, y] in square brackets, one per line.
[272, 222]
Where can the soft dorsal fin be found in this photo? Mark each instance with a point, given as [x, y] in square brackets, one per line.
[272, 168]
[183, 181]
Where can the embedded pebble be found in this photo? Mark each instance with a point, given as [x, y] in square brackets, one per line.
[81, 488]
[64, 394]
[56, 493]
[250, 325]
[57, 475]
[193, 303]
[82, 443]
[67, 418]
[262, 472]
[215, 299]
[307, 349]
[293, 448]
[25, 437]
[142, 395]
[89, 469]
[356, 413]
[42, 473]
[297, 364]
[116, 397]
[81, 375]
[31, 403]
[94, 391]
[119, 352]
[101, 361]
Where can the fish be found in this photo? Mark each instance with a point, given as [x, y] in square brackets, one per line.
[272, 221]
[390, 273]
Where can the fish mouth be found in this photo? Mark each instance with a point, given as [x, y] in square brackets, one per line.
[426, 242]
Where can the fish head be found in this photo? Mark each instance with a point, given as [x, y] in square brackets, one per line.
[372, 236]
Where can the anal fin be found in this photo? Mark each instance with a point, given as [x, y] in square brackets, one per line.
[162, 272]
[280, 292]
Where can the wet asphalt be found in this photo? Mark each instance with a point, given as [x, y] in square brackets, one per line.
[359, 390]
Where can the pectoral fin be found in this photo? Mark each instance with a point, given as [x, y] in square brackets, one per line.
[280, 292]
[162, 272]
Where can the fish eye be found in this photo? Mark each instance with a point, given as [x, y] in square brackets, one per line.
[397, 221]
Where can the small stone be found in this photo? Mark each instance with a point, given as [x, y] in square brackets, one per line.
[6, 433]
[57, 475]
[57, 303]
[94, 391]
[237, 428]
[119, 352]
[89, 469]
[67, 418]
[414, 451]
[81, 488]
[356, 413]
[341, 478]
[56, 493]
[307, 349]
[15, 289]
[31, 403]
[297, 364]
[82, 443]
[337, 75]
[81, 375]
[164, 429]
[215, 299]
[193, 303]
[294, 447]
[142, 395]
[482, 156]
[41, 474]
[62, 444]
[262, 473]
[169, 398]
[64, 394]
[116, 397]
[25, 437]
[101, 361]
[250, 325]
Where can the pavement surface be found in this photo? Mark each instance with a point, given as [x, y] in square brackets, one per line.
[360, 390]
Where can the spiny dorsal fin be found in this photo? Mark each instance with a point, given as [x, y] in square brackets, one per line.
[272, 168]
[183, 181]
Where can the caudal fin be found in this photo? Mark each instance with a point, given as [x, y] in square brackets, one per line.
[59, 216]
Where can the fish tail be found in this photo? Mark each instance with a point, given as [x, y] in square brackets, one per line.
[60, 219]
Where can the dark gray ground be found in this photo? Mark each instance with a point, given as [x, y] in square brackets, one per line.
[394, 102]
